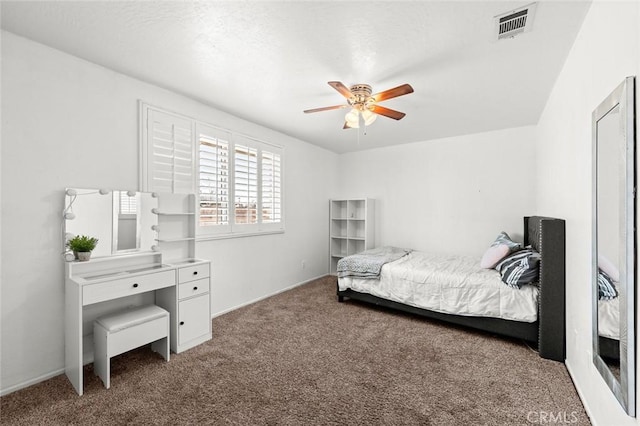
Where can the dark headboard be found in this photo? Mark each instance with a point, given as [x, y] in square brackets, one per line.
[547, 236]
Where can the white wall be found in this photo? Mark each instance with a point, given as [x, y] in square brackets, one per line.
[606, 51]
[70, 123]
[451, 195]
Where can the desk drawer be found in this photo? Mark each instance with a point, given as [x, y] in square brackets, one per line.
[107, 290]
[193, 288]
[192, 273]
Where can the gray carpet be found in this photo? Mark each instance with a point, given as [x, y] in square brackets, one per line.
[302, 358]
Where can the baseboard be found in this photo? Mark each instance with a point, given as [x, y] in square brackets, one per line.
[587, 409]
[233, 308]
[31, 382]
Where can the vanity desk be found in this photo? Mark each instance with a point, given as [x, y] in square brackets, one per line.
[108, 284]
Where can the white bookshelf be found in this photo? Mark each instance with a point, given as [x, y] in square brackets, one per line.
[176, 226]
[351, 228]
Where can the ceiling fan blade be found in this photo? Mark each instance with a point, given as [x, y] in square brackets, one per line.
[405, 89]
[391, 113]
[306, 111]
[344, 90]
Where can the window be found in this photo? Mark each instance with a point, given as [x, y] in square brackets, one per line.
[237, 179]
[271, 187]
[128, 203]
[214, 175]
[245, 188]
[169, 153]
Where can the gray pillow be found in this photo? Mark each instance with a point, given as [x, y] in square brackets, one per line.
[504, 238]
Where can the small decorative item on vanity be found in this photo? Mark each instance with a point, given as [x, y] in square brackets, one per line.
[82, 245]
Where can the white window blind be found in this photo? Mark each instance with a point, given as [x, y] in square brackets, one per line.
[169, 153]
[238, 180]
[271, 187]
[128, 205]
[245, 184]
[214, 173]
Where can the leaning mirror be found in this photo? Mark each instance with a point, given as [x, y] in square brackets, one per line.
[614, 242]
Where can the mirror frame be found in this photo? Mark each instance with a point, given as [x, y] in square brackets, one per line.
[109, 220]
[624, 389]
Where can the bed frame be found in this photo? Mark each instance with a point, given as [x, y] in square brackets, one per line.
[547, 236]
[609, 348]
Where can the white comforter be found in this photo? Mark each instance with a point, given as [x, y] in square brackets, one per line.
[609, 318]
[449, 284]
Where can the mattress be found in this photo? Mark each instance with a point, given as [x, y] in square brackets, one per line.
[449, 284]
[609, 318]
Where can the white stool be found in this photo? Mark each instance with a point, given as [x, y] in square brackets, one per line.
[125, 330]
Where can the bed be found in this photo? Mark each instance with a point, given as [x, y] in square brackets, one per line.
[544, 322]
[609, 328]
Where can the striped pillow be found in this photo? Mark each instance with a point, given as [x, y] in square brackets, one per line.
[606, 289]
[519, 268]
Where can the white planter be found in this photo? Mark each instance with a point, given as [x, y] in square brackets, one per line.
[83, 256]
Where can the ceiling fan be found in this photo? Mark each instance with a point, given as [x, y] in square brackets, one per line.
[364, 107]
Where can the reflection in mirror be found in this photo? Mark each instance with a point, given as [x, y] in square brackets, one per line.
[610, 169]
[614, 243]
[122, 221]
[88, 212]
[125, 221]
[133, 221]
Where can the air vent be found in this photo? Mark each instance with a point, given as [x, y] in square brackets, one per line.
[512, 23]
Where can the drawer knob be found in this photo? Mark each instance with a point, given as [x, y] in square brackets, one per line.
[195, 272]
[135, 285]
[181, 322]
[195, 288]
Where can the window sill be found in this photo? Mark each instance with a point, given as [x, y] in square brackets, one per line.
[237, 235]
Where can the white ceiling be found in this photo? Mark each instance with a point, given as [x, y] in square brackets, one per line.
[267, 61]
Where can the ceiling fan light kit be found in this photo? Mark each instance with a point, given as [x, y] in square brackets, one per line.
[352, 118]
[364, 108]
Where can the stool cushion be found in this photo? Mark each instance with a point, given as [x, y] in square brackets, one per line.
[130, 317]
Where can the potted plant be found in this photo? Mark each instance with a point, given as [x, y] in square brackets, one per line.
[82, 246]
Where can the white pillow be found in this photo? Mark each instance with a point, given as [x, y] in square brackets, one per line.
[500, 248]
[609, 268]
[493, 255]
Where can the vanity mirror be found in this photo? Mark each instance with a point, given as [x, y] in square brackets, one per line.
[614, 242]
[123, 221]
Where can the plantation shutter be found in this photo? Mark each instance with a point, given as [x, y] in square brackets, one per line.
[271, 185]
[128, 205]
[170, 158]
[246, 182]
[213, 183]
[237, 179]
